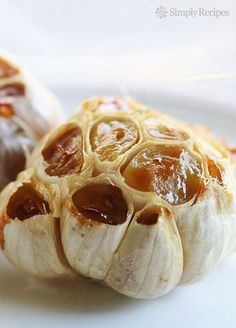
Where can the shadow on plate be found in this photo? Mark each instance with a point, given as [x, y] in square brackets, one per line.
[68, 294]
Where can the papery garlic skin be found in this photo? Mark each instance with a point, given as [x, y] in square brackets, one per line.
[158, 211]
[149, 260]
[27, 111]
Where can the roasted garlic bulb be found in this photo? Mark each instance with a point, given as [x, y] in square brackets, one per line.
[125, 195]
[27, 112]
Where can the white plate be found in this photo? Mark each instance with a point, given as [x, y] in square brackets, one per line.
[27, 302]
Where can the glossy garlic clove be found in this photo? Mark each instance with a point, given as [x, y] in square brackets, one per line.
[94, 220]
[30, 228]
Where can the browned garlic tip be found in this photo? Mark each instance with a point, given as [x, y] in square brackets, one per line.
[27, 112]
[125, 195]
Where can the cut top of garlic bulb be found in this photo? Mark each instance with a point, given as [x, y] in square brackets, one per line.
[27, 112]
[144, 201]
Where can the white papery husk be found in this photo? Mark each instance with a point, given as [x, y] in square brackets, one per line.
[149, 260]
[207, 230]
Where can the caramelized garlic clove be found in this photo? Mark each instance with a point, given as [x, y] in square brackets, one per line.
[112, 137]
[64, 154]
[30, 229]
[149, 260]
[169, 170]
[94, 220]
[61, 158]
[156, 127]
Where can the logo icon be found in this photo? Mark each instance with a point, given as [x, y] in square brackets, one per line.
[161, 12]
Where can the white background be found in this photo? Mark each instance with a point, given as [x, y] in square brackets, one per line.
[123, 45]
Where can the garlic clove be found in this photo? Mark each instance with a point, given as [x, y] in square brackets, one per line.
[61, 159]
[206, 230]
[149, 260]
[94, 219]
[30, 228]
